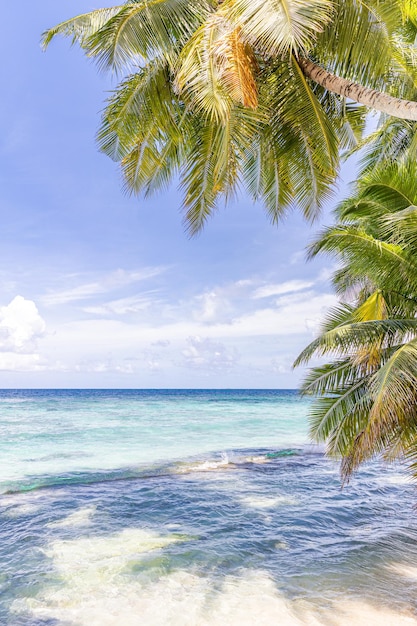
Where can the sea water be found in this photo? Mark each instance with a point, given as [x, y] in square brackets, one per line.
[189, 508]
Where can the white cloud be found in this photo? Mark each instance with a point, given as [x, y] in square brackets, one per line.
[152, 361]
[123, 306]
[298, 256]
[294, 314]
[109, 365]
[110, 282]
[12, 361]
[224, 330]
[208, 354]
[213, 306]
[275, 290]
[20, 326]
[280, 367]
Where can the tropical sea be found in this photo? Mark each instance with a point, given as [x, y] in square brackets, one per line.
[193, 508]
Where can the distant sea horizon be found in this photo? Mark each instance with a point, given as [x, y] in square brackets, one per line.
[149, 388]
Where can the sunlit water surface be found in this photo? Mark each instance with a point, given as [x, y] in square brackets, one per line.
[128, 508]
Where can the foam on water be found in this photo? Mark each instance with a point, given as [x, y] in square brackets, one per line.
[21, 509]
[265, 502]
[406, 571]
[20, 504]
[81, 517]
[179, 599]
[90, 561]
[397, 479]
[203, 466]
[104, 581]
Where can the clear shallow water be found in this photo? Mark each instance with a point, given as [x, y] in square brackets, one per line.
[193, 508]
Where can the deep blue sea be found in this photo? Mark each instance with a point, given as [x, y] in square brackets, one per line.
[193, 508]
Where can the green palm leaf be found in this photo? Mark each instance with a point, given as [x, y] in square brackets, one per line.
[123, 36]
[347, 45]
[82, 27]
[211, 167]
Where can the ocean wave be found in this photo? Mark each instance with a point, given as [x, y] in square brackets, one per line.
[234, 460]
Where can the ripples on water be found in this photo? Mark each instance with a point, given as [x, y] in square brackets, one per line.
[255, 536]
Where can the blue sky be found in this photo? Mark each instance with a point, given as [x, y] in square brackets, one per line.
[98, 289]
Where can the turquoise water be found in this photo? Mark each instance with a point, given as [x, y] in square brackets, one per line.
[193, 508]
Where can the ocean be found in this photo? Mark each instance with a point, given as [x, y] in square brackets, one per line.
[193, 508]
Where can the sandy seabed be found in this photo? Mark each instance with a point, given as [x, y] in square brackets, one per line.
[100, 583]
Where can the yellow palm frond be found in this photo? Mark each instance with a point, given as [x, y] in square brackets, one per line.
[217, 69]
[238, 68]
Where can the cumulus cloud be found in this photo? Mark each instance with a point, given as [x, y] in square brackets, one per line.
[20, 326]
[208, 354]
[222, 303]
[152, 361]
[212, 307]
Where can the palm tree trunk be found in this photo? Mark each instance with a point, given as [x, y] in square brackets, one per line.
[405, 109]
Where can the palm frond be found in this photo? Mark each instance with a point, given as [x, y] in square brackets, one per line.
[391, 142]
[337, 419]
[393, 389]
[356, 43]
[381, 262]
[280, 27]
[216, 69]
[143, 99]
[400, 228]
[266, 175]
[81, 27]
[211, 169]
[120, 38]
[374, 308]
[391, 419]
[299, 136]
[324, 379]
[348, 338]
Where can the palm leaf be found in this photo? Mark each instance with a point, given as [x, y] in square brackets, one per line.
[348, 338]
[211, 169]
[348, 45]
[338, 418]
[379, 261]
[217, 69]
[80, 28]
[280, 27]
[121, 37]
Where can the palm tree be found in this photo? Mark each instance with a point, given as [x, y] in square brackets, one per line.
[224, 92]
[367, 395]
